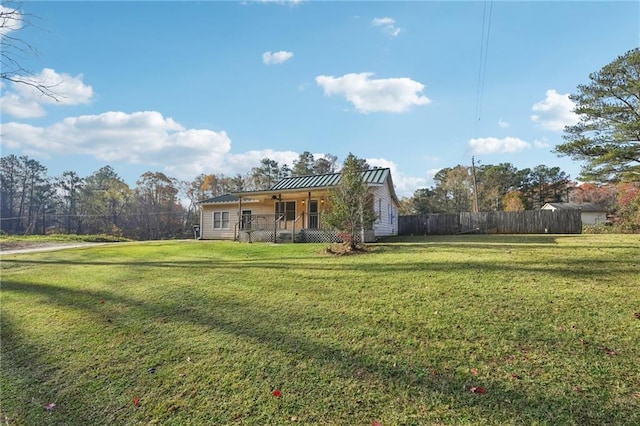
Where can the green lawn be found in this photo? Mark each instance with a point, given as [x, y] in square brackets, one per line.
[439, 330]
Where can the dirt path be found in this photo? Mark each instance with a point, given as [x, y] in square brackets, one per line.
[34, 248]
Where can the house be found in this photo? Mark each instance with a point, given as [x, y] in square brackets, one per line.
[590, 213]
[292, 210]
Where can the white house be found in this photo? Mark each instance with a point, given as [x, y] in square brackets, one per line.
[590, 213]
[292, 210]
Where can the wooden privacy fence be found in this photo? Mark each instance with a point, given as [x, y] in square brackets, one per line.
[525, 222]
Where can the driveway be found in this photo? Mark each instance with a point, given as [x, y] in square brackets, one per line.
[45, 247]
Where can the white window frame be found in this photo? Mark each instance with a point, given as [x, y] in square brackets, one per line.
[221, 220]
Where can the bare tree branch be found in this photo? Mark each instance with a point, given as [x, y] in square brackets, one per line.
[12, 47]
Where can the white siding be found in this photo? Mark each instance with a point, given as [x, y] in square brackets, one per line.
[387, 223]
[593, 218]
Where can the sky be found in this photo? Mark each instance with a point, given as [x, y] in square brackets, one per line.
[191, 87]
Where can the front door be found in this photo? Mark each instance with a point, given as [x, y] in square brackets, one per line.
[246, 219]
[313, 214]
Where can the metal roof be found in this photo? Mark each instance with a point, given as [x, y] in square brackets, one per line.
[369, 177]
[226, 198]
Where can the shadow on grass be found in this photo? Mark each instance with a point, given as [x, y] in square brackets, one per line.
[277, 332]
[557, 266]
[479, 238]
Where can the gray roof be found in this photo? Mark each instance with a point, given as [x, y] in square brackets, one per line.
[585, 207]
[369, 177]
[222, 199]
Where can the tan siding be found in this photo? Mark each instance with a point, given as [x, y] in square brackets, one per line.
[207, 232]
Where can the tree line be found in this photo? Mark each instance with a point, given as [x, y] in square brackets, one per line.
[490, 188]
[504, 187]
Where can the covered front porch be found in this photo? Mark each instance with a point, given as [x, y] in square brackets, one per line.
[281, 217]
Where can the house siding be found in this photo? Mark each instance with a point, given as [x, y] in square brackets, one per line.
[206, 227]
[589, 215]
[593, 218]
[383, 204]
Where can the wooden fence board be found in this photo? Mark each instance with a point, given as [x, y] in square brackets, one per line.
[525, 222]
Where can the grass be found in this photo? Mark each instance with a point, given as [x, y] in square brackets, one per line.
[438, 330]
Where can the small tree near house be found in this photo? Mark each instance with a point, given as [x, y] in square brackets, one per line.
[350, 212]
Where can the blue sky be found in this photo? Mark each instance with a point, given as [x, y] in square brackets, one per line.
[213, 87]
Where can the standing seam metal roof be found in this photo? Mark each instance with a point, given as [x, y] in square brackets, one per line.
[371, 177]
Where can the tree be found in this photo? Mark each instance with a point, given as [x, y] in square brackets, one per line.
[325, 165]
[423, 201]
[607, 137]
[105, 200]
[494, 182]
[69, 185]
[161, 216]
[268, 173]
[12, 20]
[513, 202]
[303, 166]
[350, 208]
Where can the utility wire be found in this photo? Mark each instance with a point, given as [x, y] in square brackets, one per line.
[482, 63]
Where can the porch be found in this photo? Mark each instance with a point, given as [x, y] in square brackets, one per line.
[279, 228]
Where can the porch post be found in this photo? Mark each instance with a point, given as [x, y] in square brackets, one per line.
[309, 209]
[240, 213]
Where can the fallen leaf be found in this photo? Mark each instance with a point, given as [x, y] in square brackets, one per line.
[375, 423]
[515, 376]
[136, 401]
[577, 389]
[608, 351]
[583, 342]
[636, 315]
[49, 406]
[477, 389]
[151, 370]
[276, 393]
[188, 359]
[102, 302]
[474, 371]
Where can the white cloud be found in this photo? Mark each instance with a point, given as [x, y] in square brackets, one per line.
[26, 101]
[272, 58]
[10, 20]
[252, 158]
[541, 143]
[494, 145]
[554, 112]
[375, 95]
[141, 137]
[405, 186]
[503, 124]
[144, 137]
[387, 24]
[281, 2]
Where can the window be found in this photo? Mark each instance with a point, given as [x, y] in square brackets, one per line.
[220, 220]
[391, 215]
[288, 208]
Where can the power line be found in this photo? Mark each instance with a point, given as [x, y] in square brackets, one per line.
[482, 63]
